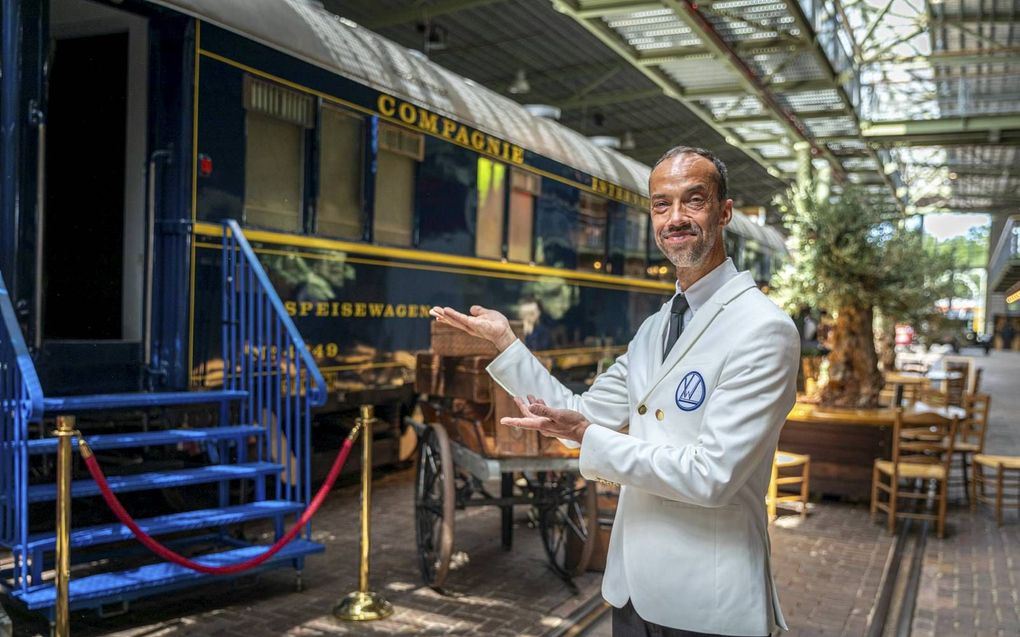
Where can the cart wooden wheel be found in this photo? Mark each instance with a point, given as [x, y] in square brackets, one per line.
[434, 503]
[568, 521]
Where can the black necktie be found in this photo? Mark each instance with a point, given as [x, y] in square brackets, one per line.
[676, 322]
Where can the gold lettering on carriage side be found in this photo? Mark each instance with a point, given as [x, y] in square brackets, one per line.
[425, 120]
[387, 105]
[349, 309]
[428, 121]
[619, 193]
[407, 113]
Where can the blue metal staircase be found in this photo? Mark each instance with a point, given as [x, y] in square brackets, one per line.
[257, 454]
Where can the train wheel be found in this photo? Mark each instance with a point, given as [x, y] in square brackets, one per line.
[568, 521]
[434, 503]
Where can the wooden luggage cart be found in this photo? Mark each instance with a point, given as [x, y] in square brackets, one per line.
[462, 446]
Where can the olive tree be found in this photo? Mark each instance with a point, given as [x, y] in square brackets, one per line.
[853, 257]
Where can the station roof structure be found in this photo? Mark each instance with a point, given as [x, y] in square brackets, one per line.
[918, 100]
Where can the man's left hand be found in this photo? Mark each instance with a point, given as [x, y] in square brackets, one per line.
[555, 423]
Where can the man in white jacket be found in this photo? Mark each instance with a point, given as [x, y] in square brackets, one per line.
[704, 386]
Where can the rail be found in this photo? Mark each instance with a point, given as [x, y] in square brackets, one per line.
[1006, 250]
[264, 355]
[21, 397]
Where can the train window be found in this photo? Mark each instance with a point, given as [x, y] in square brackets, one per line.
[491, 184]
[523, 189]
[273, 173]
[276, 121]
[634, 230]
[339, 206]
[732, 241]
[396, 164]
[592, 215]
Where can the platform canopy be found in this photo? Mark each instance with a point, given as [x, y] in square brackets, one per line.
[918, 100]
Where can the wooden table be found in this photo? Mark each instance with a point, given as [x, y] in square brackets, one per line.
[842, 443]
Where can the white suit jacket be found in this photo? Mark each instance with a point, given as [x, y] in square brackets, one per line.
[689, 545]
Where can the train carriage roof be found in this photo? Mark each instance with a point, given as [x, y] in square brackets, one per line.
[305, 30]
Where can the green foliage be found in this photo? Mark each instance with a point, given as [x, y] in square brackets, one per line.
[851, 250]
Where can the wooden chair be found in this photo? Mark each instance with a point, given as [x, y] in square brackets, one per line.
[786, 460]
[1000, 465]
[926, 460]
[970, 438]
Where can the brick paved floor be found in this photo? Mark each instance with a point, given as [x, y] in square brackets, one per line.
[970, 581]
[827, 568]
[496, 593]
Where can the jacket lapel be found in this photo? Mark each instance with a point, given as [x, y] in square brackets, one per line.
[704, 317]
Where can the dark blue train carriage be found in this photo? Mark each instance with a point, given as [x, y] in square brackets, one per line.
[369, 184]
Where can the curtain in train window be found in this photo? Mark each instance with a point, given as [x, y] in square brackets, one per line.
[592, 213]
[520, 230]
[400, 150]
[273, 173]
[491, 181]
[276, 121]
[339, 207]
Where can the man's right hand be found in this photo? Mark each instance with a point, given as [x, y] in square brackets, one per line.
[482, 322]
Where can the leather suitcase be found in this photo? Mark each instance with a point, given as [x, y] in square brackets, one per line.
[451, 341]
[453, 377]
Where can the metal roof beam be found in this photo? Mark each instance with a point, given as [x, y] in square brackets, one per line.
[764, 119]
[959, 57]
[592, 10]
[683, 53]
[794, 9]
[687, 12]
[739, 89]
[606, 99]
[915, 129]
[418, 12]
[669, 88]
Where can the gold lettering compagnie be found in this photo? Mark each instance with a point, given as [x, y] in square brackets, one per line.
[427, 121]
[355, 309]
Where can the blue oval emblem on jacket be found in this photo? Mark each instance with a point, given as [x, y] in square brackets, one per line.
[690, 393]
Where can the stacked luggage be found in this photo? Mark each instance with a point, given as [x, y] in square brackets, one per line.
[469, 404]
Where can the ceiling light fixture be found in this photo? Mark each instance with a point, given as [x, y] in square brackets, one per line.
[520, 85]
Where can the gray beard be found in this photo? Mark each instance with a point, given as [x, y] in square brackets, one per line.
[696, 254]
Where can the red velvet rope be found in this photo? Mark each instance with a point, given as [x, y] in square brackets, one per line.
[177, 558]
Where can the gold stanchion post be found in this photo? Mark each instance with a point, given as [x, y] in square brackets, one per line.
[362, 604]
[65, 430]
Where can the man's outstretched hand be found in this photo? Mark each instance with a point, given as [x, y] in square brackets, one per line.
[482, 322]
[555, 423]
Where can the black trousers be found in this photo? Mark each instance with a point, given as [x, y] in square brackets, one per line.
[627, 623]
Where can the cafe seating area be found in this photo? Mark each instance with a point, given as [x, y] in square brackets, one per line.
[921, 450]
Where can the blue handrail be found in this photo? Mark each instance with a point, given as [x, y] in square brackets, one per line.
[21, 403]
[265, 356]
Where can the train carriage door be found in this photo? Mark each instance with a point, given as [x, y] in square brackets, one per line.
[92, 279]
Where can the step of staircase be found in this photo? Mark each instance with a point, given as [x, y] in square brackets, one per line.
[128, 440]
[157, 480]
[122, 586]
[170, 523]
[135, 400]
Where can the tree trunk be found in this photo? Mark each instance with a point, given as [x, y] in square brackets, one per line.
[854, 379]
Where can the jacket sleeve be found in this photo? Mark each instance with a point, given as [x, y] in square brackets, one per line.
[605, 403]
[744, 413]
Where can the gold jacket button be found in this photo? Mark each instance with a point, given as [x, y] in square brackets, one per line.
[642, 409]
[659, 414]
